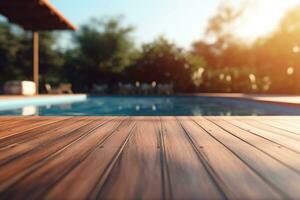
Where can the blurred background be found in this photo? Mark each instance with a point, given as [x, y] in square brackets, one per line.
[244, 46]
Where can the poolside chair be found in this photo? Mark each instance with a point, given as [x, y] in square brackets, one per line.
[65, 88]
[165, 89]
[126, 89]
[146, 89]
[100, 89]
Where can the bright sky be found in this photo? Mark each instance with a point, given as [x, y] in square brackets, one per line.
[182, 21]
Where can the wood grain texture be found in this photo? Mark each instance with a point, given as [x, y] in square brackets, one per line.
[149, 157]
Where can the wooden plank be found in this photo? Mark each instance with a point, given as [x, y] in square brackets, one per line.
[10, 138]
[237, 179]
[281, 125]
[11, 124]
[21, 119]
[277, 175]
[280, 140]
[55, 167]
[137, 173]
[23, 126]
[291, 121]
[149, 158]
[251, 135]
[259, 124]
[7, 120]
[100, 161]
[187, 175]
[15, 169]
[16, 150]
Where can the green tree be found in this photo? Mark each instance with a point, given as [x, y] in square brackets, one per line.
[12, 42]
[16, 55]
[277, 56]
[103, 49]
[163, 62]
[228, 58]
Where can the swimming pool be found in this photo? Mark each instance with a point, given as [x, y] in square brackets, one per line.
[146, 106]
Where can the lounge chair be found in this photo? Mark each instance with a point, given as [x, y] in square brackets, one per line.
[146, 89]
[165, 89]
[100, 89]
[65, 88]
[126, 89]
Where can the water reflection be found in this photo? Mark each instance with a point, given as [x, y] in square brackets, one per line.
[137, 108]
[156, 106]
[29, 110]
[296, 49]
[66, 106]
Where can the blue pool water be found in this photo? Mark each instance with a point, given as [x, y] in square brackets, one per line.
[148, 106]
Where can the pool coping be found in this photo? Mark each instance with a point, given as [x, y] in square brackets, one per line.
[20, 101]
[289, 100]
[292, 100]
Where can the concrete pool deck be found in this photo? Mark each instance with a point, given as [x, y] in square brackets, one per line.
[149, 157]
[42, 96]
[19, 101]
[281, 99]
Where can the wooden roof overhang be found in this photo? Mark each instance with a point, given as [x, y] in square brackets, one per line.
[34, 15]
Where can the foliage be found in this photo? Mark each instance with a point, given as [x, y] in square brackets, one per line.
[104, 52]
[163, 62]
[13, 46]
[272, 61]
[16, 55]
[103, 49]
[277, 56]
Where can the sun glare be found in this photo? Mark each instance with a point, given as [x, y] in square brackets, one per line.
[262, 16]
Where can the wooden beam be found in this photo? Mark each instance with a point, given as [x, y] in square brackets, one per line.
[22, 12]
[43, 23]
[35, 40]
[34, 14]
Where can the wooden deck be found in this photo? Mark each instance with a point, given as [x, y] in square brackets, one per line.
[149, 158]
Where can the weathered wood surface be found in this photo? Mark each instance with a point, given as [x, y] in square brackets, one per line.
[149, 158]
